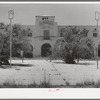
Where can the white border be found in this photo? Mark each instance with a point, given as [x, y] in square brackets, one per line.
[43, 2]
[63, 93]
[41, 93]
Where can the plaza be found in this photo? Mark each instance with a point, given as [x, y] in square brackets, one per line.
[57, 73]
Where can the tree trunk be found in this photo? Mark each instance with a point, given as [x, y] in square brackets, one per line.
[69, 60]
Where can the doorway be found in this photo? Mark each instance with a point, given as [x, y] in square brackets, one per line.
[45, 50]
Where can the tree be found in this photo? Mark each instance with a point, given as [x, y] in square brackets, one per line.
[4, 44]
[20, 41]
[74, 45]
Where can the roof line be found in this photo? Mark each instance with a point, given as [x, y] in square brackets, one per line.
[45, 16]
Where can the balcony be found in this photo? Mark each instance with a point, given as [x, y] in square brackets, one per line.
[46, 37]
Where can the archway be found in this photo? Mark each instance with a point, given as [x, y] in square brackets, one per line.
[46, 50]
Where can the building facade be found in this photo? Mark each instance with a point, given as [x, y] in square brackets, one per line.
[46, 31]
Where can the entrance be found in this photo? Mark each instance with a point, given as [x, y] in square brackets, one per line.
[45, 50]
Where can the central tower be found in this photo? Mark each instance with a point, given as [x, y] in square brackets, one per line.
[45, 34]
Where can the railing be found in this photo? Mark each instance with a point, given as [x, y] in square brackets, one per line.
[43, 38]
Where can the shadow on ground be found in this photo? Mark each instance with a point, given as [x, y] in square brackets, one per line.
[60, 62]
[84, 63]
[13, 65]
[23, 65]
[75, 64]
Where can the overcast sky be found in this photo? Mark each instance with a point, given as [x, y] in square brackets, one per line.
[65, 14]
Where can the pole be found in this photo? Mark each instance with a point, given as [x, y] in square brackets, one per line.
[97, 18]
[21, 55]
[44, 75]
[97, 44]
[10, 41]
[10, 16]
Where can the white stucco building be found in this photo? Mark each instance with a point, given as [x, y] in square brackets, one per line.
[46, 32]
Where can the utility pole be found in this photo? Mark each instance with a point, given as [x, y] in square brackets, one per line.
[97, 18]
[11, 17]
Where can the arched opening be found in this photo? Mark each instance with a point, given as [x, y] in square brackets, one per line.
[46, 50]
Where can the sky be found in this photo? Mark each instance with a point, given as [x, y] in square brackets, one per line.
[65, 14]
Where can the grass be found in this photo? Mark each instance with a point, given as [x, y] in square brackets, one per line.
[34, 85]
[86, 84]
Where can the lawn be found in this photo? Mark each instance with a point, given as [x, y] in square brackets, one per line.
[56, 73]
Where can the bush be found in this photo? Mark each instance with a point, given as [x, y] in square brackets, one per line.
[28, 55]
[74, 45]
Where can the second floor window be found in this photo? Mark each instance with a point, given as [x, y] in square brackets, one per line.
[61, 34]
[46, 35]
[95, 34]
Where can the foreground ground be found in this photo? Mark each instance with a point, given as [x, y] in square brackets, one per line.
[56, 72]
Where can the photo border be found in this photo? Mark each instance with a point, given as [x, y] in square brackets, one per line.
[37, 93]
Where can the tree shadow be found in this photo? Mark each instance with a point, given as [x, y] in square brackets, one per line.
[84, 63]
[14, 65]
[23, 65]
[60, 62]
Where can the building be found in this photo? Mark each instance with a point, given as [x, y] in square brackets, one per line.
[46, 32]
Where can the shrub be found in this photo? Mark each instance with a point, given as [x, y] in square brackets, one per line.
[74, 45]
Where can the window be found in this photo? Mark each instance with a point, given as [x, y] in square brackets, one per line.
[62, 30]
[95, 34]
[46, 35]
[30, 35]
[61, 34]
[85, 32]
[43, 18]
